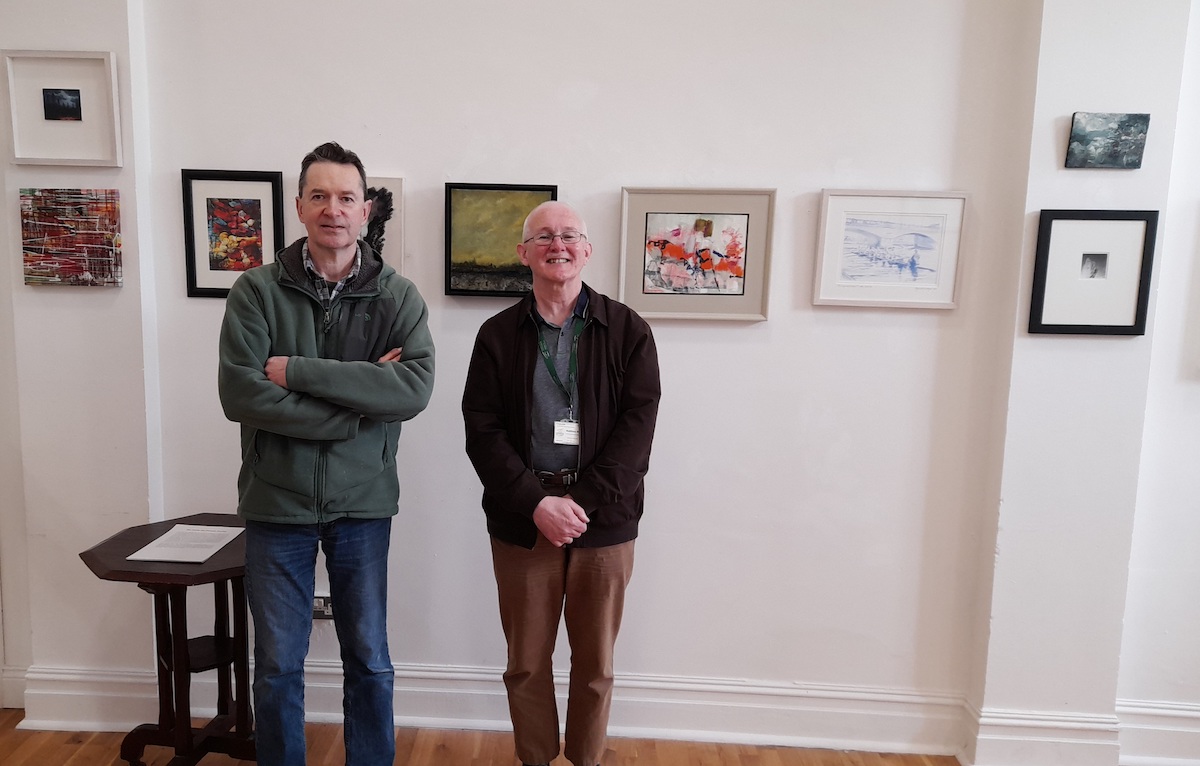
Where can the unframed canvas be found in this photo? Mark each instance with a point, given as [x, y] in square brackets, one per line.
[71, 237]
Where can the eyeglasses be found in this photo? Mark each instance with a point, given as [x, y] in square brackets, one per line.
[545, 238]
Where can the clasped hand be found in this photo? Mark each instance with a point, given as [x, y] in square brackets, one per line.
[560, 519]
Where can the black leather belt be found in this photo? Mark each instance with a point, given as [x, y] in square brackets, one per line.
[563, 478]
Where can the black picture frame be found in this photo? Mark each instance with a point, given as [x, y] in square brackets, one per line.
[483, 229]
[1092, 272]
[237, 204]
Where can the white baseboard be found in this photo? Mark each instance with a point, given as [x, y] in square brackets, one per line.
[12, 686]
[1039, 738]
[81, 699]
[1159, 733]
[698, 709]
[1143, 733]
[793, 715]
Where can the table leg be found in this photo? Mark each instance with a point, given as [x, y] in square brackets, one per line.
[181, 670]
[162, 646]
[133, 746]
[241, 659]
[221, 638]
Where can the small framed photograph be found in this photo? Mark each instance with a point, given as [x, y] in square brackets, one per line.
[889, 248]
[483, 229]
[64, 107]
[1107, 140]
[232, 221]
[1092, 272]
[697, 253]
[384, 231]
[71, 237]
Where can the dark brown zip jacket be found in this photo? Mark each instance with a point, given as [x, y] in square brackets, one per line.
[618, 404]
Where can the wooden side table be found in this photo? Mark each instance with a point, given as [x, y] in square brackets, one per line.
[232, 730]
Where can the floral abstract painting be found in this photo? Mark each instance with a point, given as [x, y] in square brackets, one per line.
[232, 222]
[71, 237]
[702, 254]
[235, 238]
[695, 253]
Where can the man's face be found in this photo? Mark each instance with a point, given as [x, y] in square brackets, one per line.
[332, 207]
[556, 262]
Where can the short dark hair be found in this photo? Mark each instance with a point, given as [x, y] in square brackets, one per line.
[332, 152]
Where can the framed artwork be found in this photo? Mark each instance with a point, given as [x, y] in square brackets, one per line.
[384, 231]
[1092, 272]
[483, 229]
[696, 253]
[71, 237]
[889, 248]
[64, 107]
[1107, 140]
[232, 221]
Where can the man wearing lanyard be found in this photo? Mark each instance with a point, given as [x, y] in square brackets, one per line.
[560, 405]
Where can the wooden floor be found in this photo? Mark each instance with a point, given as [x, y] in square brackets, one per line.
[434, 747]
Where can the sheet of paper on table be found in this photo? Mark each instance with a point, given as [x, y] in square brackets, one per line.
[189, 543]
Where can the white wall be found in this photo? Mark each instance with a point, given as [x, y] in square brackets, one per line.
[1160, 666]
[1076, 416]
[822, 579]
[824, 485]
[81, 395]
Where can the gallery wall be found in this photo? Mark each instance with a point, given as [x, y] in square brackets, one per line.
[1069, 490]
[762, 533]
[1159, 662]
[80, 412]
[816, 559]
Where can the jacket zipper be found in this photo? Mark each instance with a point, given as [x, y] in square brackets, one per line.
[319, 485]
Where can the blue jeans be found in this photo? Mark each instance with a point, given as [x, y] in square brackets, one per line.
[280, 580]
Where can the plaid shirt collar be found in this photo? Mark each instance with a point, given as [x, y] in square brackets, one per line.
[321, 285]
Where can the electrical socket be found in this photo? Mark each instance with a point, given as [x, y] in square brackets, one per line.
[322, 607]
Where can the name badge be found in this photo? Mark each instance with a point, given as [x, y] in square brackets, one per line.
[566, 432]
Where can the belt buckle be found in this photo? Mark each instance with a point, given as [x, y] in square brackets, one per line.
[556, 478]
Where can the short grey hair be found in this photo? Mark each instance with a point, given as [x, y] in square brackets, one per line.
[558, 204]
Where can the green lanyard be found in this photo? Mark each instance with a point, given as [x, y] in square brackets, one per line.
[572, 364]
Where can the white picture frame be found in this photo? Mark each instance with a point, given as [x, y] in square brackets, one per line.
[64, 107]
[896, 249]
[697, 253]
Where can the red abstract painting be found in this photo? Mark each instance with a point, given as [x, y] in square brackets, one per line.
[71, 237]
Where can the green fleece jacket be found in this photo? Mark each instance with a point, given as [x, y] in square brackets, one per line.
[324, 447]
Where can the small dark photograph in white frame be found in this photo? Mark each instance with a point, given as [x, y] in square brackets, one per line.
[64, 107]
[62, 104]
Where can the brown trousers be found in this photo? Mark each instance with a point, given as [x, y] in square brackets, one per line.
[534, 585]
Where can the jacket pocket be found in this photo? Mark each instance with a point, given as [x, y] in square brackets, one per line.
[283, 462]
